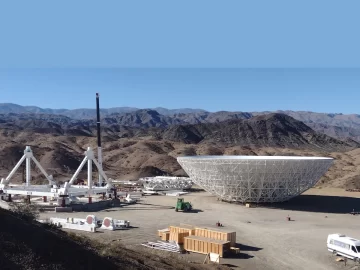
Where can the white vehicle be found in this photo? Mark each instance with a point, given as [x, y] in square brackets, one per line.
[340, 244]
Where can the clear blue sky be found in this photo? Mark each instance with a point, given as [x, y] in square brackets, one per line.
[186, 33]
[319, 90]
[105, 35]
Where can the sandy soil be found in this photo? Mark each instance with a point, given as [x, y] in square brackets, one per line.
[266, 239]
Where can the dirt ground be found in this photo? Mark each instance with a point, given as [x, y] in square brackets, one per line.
[265, 237]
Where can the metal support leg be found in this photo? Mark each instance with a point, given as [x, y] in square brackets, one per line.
[90, 178]
[28, 171]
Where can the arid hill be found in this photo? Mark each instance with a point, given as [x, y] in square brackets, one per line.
[130, 153]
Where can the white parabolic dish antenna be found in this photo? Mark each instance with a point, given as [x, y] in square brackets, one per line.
[255, 178]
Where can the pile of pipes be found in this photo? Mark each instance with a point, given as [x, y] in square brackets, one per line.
[166, 246]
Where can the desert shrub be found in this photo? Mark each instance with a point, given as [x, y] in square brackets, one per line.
[27, 212]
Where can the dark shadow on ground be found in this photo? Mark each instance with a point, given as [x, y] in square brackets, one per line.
[241, 255]
[317, 203]
[193, 211]
[146, 208]
[143, 206]
[246, 247]
[193, 190]
[154, 205]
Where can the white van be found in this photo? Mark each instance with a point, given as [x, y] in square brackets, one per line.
[340, 244]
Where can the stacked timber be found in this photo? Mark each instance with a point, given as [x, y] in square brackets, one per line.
[205, 245]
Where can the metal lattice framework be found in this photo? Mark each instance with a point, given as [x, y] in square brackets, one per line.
[255, 178]
[159, 183]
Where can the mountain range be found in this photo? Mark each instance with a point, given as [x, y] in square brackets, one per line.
[145, 142]
[340, 126]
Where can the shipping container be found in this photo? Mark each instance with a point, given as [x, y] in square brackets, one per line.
[165, 236]
[217, 233]
[160, 232]
[204, 245]
[182, 228]
[178, 237]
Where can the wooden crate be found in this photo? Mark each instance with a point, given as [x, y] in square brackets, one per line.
[160, 232]
[178, 237]
[217, 233]
[205, 245]
[182, 228]
[165, 236]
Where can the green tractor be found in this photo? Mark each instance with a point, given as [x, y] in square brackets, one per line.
[184, 206]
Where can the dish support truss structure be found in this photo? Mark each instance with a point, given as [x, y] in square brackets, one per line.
[53, 190]
[259, 181]
[159, 183]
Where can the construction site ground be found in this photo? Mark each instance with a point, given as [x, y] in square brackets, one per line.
[267, 240]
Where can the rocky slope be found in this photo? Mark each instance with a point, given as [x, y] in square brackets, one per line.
[275, 130]
[272, 130]
[130, 153]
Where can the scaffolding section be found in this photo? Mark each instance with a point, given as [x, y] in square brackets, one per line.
[256, 179]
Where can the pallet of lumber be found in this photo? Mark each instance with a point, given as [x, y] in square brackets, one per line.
[217, 233]
[205, 245]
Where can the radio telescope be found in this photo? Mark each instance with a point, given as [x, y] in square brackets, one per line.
[255, 178]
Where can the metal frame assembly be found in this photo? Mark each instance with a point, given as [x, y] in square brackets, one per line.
[53, 190]
[255, 178]
[68, 189]
[163, 183]
[28, 189]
